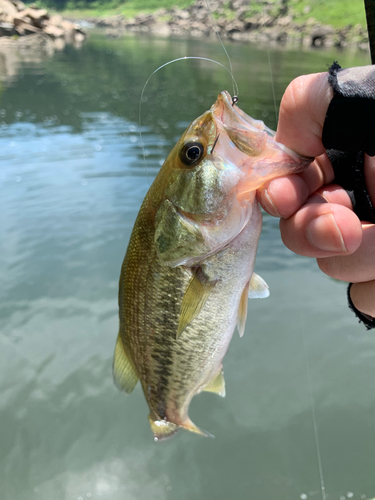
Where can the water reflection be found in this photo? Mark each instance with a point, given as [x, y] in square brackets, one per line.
[72, 178]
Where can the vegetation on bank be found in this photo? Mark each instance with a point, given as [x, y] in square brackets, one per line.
[337, 13]
[105, 8]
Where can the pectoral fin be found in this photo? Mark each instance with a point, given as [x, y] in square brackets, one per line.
[217, 384]
[123, 372]
[176, 237]
[258, 288]
[194, 299]
[242, 311]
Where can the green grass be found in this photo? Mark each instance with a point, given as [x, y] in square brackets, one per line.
[128, 9]
[338, 13]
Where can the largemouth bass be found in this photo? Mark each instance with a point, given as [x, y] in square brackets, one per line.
[188, 269]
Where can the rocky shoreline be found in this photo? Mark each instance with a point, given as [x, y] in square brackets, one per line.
[267, 21]
[28, 24]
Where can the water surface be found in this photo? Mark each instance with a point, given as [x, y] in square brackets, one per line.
[72, 179]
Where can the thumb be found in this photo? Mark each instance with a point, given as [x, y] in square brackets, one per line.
[302, 113]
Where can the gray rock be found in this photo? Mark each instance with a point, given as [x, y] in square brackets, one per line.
[54, 31]
[36, 17]
[25, 28]
[7, 29]
[275, 23]
[181, 14]
[319, 36]
[18, 4]
[284, 21]
[7, 11]
[31, 20]
[234, 26]
[145, 19]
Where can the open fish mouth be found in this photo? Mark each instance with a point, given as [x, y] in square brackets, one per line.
[248, 135]
[231, 116]
[252, 138]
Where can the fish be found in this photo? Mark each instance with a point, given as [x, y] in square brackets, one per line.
[189, 266]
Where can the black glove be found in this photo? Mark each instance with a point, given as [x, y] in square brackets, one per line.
[349, 133]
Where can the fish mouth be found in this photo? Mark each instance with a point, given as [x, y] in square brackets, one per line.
[228, 115]
[248, 135]
[251, 137]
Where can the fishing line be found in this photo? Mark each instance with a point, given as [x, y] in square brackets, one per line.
[307, 359]
[273, 86]
[235, 87]
[230, 71]
[313, 414]
[235, 90]
[270, 70]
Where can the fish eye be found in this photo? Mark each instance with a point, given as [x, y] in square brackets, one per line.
[191, 153]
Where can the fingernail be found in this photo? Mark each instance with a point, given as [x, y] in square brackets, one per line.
[270, 206]
[324, 234]
[316, 198]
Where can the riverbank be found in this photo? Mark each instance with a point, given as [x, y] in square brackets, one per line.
[278, 21]
[26, 24]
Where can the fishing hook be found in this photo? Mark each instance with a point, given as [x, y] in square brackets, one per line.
[234, 100]
[217, 138]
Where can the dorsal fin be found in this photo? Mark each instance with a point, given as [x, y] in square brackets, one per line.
[124, 374]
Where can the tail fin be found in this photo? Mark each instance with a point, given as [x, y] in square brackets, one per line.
[189, 426]
[162, 429]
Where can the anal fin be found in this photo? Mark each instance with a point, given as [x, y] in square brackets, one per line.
[124, 374]
[258, 288]
[242, 311]
[194, 299]
[217, 384]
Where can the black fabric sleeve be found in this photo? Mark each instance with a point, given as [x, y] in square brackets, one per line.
[350, 119]
[349, 174]
[368, 321]
[349, 133]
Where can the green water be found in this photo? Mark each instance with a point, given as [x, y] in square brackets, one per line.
[72, 179]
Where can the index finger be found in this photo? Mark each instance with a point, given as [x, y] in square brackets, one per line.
[282, 197]
[303, 110]
[302, 114]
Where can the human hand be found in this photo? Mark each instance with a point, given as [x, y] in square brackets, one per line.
[317, 218]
